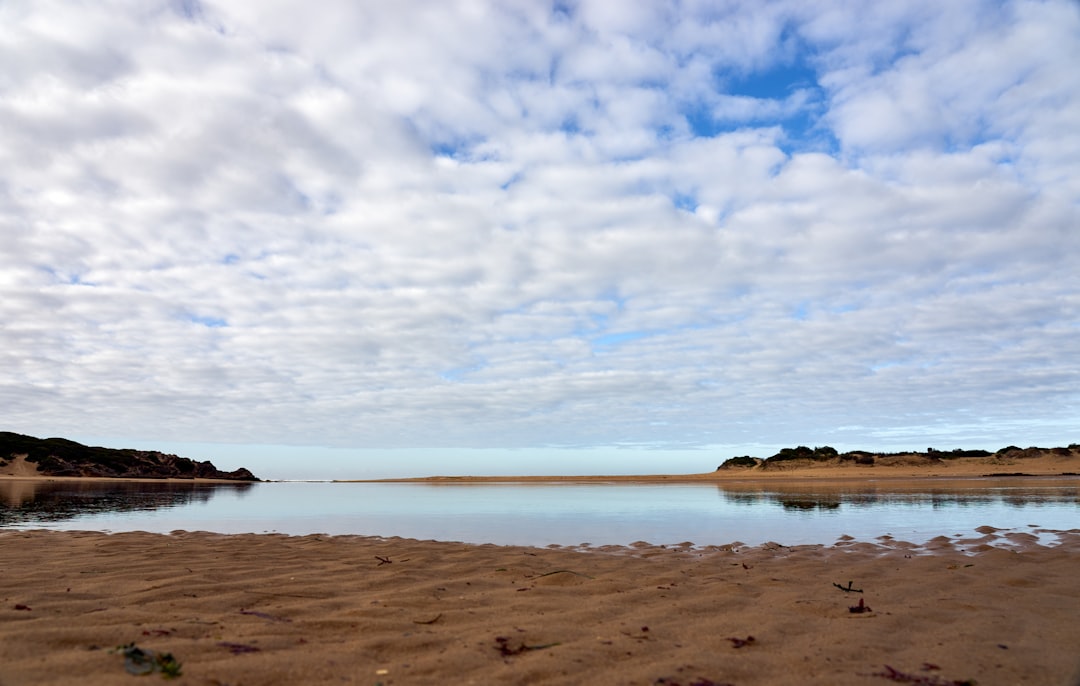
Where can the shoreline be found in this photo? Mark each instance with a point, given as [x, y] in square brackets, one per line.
[118, 479]
[788, 480]
[1046, 464]
[709, 479]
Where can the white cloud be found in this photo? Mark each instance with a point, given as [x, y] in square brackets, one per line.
[961, 78]
[496, 226]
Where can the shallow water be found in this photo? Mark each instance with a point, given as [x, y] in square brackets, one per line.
[566, 514]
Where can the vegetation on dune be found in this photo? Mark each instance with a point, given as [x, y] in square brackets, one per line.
[803, 453]
[945, 455]
[742, 461]
[866, 458]
[61, 457]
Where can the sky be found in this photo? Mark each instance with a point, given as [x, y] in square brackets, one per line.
[360, 239]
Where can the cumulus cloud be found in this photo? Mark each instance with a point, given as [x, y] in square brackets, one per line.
[529, 224]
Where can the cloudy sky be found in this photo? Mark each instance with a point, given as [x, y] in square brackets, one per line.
[369, 239]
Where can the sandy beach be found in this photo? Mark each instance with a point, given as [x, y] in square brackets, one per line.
[272, 609]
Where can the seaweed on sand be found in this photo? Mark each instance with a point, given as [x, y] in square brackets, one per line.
[142, 661]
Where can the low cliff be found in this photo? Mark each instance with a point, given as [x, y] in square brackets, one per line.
[61, 457]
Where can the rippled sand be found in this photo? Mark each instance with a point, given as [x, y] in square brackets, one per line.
[272, 609]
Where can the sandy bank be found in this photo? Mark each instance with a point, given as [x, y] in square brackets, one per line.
[960, 468]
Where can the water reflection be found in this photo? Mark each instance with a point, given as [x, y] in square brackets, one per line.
[1017, 492]
[35, 502]
[809, 504]
[562, 514]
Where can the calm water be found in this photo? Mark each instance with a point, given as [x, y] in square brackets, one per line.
[563, 514]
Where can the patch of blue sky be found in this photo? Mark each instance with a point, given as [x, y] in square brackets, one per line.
[208, 322]
[703, 123]
[785, 94]
[461, 148]
[801, 126]
[515, 178]
[71, 279]
[77, 280]
[230, 258]
[599, 321]
[457, 373]
[612, 340]
[451, 149]
[805, 132]
[613, 295]
[617, 338]
[973, 132]
[685, 201]
[887, 364]
[570, 126]
[666, 132]
[776, 83]
[562, 10]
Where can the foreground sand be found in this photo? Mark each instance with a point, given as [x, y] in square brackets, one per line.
[271, 609]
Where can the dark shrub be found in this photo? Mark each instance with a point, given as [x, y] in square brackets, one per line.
[798, 453]
[966, 453]
[739, 462]
[803, 453]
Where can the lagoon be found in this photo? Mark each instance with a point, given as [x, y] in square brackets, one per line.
[565, 514]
